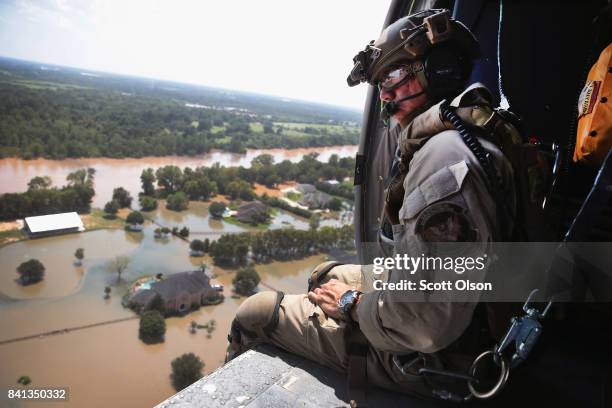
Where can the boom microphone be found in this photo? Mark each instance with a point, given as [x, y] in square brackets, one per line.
[391, 108]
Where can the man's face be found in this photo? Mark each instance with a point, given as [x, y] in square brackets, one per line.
[409, 87]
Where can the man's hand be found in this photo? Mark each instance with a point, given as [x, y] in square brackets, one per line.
[327, 297]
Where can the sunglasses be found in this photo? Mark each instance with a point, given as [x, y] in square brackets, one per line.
[398, 76]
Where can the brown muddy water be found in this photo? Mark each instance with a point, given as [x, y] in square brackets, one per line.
[108, 365]
[113, 173]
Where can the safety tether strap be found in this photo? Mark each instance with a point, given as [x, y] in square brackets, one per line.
[357, 379]
[274, 320]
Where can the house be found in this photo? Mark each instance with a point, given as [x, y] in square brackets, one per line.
[316, 199]
[254, 212]
[52, 224]
[305, 188]
[179, 292]
[331, 182]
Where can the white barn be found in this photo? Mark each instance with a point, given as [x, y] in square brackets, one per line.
[53, 224]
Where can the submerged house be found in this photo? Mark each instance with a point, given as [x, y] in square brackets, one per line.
[179, 292]
[305, 188]
[44, 225]
[315, 200]
[254, 212]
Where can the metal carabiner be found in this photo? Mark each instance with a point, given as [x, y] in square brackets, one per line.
[524, 332]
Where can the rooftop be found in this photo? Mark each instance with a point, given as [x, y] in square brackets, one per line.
[54, 222]
[172, 285]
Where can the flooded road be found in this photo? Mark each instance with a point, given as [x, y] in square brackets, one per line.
[112, 173]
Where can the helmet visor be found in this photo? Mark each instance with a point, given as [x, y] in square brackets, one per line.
[398, 76]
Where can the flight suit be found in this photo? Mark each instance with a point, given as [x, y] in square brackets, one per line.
[445, 199]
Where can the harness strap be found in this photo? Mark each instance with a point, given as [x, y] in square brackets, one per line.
[274, 321]
[357, 379]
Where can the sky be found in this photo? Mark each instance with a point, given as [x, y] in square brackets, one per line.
[291, 48]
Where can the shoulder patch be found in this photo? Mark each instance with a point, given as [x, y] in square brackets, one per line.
[445, 222]
[444, 182]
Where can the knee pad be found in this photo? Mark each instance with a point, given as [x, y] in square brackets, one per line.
[258, 315]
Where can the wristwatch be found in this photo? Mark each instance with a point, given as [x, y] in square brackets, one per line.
[347, 302]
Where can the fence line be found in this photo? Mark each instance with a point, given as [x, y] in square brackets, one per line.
[66, 330]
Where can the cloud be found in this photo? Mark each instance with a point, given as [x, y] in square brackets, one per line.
[61, 14]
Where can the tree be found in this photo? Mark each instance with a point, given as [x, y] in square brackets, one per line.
[169, 178]
[147, 203]
[24, 380]
[79, 254]
[118, 265]
[157, 304]
[184, 232]
[30, 272]
[197, 245]
[246, 281]
[177, 202]
[186, 370]
[39, 183]
[123, 197]
[335, 204]
[216, 210]
[315, 221]
[240, 189]
[81, 177]
[147, 178]
[135, 217]
[111, 208]
[152, 327]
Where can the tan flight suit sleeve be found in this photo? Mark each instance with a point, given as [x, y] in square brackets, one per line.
[446, 199]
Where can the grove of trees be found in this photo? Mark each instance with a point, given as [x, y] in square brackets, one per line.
[178, 186]
[42, 199]
[233, 250]
[95, 120]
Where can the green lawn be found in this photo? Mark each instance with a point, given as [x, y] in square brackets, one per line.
[44, 85]
[256, 127]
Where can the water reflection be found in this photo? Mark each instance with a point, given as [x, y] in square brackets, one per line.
[202, 226]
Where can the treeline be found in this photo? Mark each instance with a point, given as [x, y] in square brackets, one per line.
[233, 250]
[340, 189]
[202, 183]
[77, 122]
[42, 199]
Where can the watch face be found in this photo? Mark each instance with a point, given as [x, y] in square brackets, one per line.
[346, 299]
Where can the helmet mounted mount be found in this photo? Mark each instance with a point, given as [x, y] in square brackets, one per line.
[445, 46]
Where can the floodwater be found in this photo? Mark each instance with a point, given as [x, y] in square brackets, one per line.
[202, 226]
[108, 365]
[113, 173]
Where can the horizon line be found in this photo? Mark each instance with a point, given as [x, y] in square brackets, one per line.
[291, 99]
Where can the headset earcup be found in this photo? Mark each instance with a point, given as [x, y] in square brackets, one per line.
[444, 70]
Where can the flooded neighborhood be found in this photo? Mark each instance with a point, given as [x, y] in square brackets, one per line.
[67, 331]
